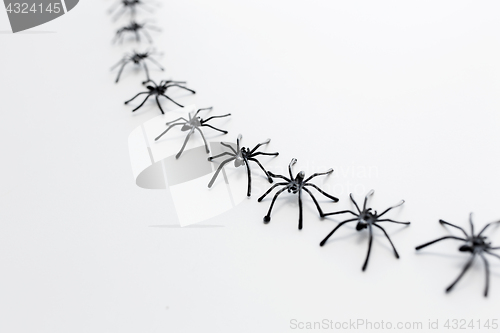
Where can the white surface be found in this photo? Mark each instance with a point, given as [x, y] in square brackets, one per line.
[397, 96]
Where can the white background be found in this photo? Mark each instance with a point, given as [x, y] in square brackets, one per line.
[409, 89]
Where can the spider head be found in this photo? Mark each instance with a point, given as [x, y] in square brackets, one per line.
[150, 88]
[300, 177]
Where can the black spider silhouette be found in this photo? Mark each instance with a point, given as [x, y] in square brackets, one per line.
[130, 5]
[242, 156]
[475, 244]
[194, 123]
[295, 186]
[366, 218]
[159, 90]
[137, 58]
[135, 28]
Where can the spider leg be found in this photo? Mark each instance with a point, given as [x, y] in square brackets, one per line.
[249, 179]
[124, 59]
[164, 132]
[493, 254]
[204, 140]
[487, 274]
[199, 110]
[454, 226]
[185, 143]
[437, 240]
[278, 176]
[218, 170]
[388, 209]
[267, 218]
[390, 241]
[267, 154]
[486, 226]
[137, 37]
[156, 63]
[223, 154]
[258, 145]
[130, 100]
[369, 247]
[146, 70]
[118, 14]
[148, 37]
[354, 202]
[144, 101]
[117, 36]
[215, 128]
[113, 7]
[341, 212]
[315, 202]
[467, 266]
[300, 209]
[327, 172]
[206, 120]
[389, 220]
[182, 87]
[173, 121]
[366, 198]
[335, 229]
[322, 192]
[120, 71]
[172, 100]
[292, 162]
[228, 146]
[159, 105]
[260, 165]
[269, 190]
[471, 224]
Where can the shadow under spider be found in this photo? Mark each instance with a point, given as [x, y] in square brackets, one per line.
[475, 244]
[366, 219]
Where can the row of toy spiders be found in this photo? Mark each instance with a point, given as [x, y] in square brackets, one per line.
[365, 218]
[141, 59]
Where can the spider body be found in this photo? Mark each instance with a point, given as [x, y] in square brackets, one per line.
[128, 5]
[135, 28]
[296, 185]
[475, 244]
[366, 218]
[194, 123]
[158, 90]
[136, 58]
[242, 156]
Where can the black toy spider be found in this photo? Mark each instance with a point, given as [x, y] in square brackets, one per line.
[242, 156]
[194, 123]
[159, 90]
[295, 186]
[474, 244]
[137, 58]
[130, 5]
[367, 219]
[135, 28]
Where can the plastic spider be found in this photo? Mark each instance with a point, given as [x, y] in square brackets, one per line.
[135, 28]
[130, 5]
[242, 156]
[476, 245]
[159, 90]
[194, 123]
[367, 219]
[295, 186]
[137, 58]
